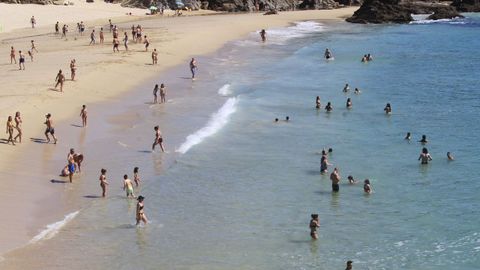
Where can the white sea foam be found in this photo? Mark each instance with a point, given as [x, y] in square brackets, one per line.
[422, 19]
[216, 122]
[225, 90]
[52, 229]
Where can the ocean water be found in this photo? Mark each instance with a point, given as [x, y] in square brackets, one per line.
[236, 190]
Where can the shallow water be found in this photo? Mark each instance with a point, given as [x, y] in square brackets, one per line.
[241, 198]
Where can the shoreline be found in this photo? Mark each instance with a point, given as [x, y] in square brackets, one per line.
[174, 53]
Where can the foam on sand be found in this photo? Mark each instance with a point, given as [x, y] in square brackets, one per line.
[225, 90]
[216, 122]
[52, 229]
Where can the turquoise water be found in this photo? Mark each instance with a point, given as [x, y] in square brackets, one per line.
[242, 197]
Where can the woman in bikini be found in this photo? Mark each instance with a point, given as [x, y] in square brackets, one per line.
[10, 127]
[140, 213]
[12, 56]
[103, 182]
[18, 126]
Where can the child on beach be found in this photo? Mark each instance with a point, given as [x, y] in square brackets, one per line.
[31, 55]
[125, 41]
[84, 115]
[33, 46]
[136, 178]
[103, 182]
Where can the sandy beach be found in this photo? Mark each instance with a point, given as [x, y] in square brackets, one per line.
[101, 76]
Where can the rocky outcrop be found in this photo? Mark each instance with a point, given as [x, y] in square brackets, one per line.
[398, 11]
[38, 2]
[318, 4]
[467, 5]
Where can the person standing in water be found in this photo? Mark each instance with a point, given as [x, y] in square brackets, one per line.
[346, 88]
[349, 103]
[408, 137]
[193, 67]
[59, 80]
[263, 35]
[163, 93]
[425, 156]
[140, 213]
[71, 164]
[103, 182]
[158, 139]
[18, 126]
[335, 178]
[318, 105]
[449, 156]
[314, 225]
[328, 54]
[9, 130]
[155, 91]
[329, 107]
[349, 265]
[128, 186]
[367, 188]
[84, 115]
[136, 178]
[73, 69]
[324, 163]
[423, 140]
[50, 129]
[388, 109]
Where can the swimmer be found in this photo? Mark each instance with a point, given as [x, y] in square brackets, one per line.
[328, 54]
[155, 91]
[349, 265]
[449, 156]
[317, 103]
[287, 119]
[408, 136]
[140, 213]
[364, 58]
[276, 120]
[136, 178]
[388, 109]
[349, 103]
[335, 178]
[263, 35]
[103, 182]
[423, 140]
[351, 180]
[128, 186]
[59, 80]
[425, 156]
[367, 188]
[50, 129]
[9, 130]
[369, 57]
[163, 93]
[18, 127]
[330, 150]
[357, 91]
[329, 107]
[158, 139]
[314, 225]
[346, 88]
[84, 115]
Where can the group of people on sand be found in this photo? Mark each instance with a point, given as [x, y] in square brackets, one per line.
[21, 56]
[14, 124]
[159, 90]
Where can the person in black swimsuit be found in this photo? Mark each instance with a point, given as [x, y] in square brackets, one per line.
[140, 212]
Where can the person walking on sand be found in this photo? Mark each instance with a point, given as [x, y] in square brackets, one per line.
[10, 127]
[32, 43]
[154, 57]
[92, 37]
[193, 67]
[71, 164]
[125, 41]
[425, 157]
[136, 178]
[155, 91]
[146, 42]
[64, 31]
[59, 80]
[335, 178]
[140, 213]
[115, 44]
[13, 58]
[158, 139]
[33, 21]
[50, 129]
[314, 225]
[163, 93]
[18, 127]
[101, 35]
[128, 186]
[73, 69]
[57, 28]
[31, 55]
[263, 35]
[21, 60]
[103, 182]
[84, 115]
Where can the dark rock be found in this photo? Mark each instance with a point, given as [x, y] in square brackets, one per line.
[318, 4]
[444, 12]
[467, 5]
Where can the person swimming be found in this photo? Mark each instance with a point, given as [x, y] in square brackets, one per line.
[367, 188]
[449, 156]
[423, 140]
[317, 103]
[349, 265]
[357, 91]
[388, 109]
[425, 156]
[329, 107]
[276, 120]
[408, 136]
[351, 180]
[349, 103]
[328, 54]
[287, 119]
[346, 88]
[314, 225]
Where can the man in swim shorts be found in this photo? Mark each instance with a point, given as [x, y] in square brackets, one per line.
[71, 164]
[128, 186]
[50, 129]
[335, 178]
